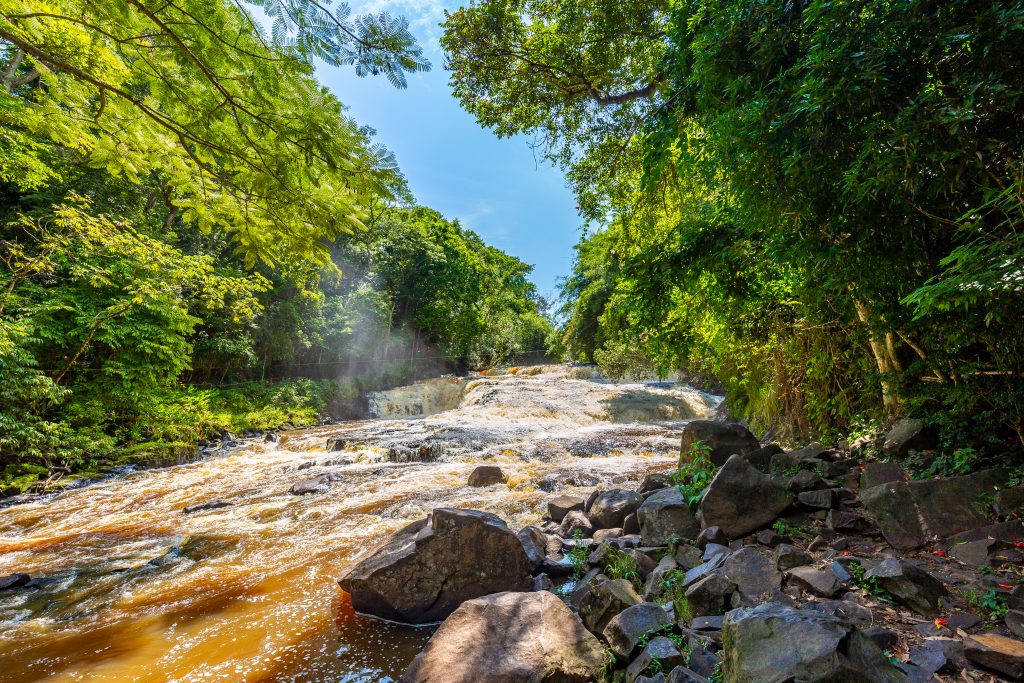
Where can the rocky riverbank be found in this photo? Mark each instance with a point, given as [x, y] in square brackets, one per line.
[809, 565]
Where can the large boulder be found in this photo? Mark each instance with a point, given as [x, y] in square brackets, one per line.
[772, 643]
[754, 574]
[609, 508]
[908, 434]
[563, 504]
[486, 475]
[665, 515]
[741, 499]
[628, 627]
[911, 513]
[425, 571]
[910, 585]
[511, 638]
[604, 600]
[724, 439]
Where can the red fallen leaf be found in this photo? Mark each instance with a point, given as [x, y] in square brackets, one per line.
[1018, 544]
[846, 552]
[939, 623]
[1006, 586]
[940, 553]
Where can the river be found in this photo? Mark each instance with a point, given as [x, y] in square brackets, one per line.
[131, 589]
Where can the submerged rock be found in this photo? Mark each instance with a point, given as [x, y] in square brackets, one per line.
[511, 638]
[486, 475]
[16, 580]
[425, 571]
[212, 505]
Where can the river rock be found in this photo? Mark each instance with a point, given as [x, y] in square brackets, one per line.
[535, 544]
[212, 505]
[655, 482]
[664, 516]
[908, 434]
[609, 508]
[604, 600]
[741, 499]
[753, 573]
[562, 504]
[773, 643]
[486, 475]
[511, 638]
[724, 439]
[627, 627]
[711, 594]
[312, 485]
[575, 521]
[660, 650]
[996, 652]
[822, 584]
[911, 513]
[910, 585]
[425, 571]
[16, 580]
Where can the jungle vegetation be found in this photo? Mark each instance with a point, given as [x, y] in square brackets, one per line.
[817, 203]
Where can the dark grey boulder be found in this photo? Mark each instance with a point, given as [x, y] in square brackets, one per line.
[908, 434]
[512, 638]
[534, 544]
[711, 534]
[815, 581]
[910, 585]
[711, 594]
[16, 580]
[788, 556]
[655, 482]
[562, 504]
[486, 475]
[939, 654]
[576, 521]
[821, 499]
[664, 516]
[604, 600]
[724, 439]
[425, 571]
[741, 499]
[626, 628]
[773, 643]
[661, 652]
[754, 574]
[609, 508]
[911, 513]
[878, 473]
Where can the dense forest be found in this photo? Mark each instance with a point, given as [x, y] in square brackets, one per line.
[196, 238]
[819, 205]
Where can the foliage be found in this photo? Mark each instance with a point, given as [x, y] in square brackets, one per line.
[695, 472]
[579, 555]
[991, 604]
[618, 564]
[817, 203]
[869, 584]
[784, 528]
[674, 587]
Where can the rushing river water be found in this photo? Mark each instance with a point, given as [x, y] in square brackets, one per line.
[131, 589]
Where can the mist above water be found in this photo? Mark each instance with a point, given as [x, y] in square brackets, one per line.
[133, 589]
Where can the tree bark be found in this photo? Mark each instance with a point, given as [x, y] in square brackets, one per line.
[883, 359]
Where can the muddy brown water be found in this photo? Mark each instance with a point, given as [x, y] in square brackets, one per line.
[131, 589]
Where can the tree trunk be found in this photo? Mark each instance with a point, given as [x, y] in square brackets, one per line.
[883, 353]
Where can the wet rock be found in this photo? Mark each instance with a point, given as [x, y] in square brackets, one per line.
[660, 650]
[996, 652]
[741, 499]
[655, 482]
[910, 513]
[711, 594]
[759, 647]
[212, 505]
[534, 544]
[609, 508]
[724, 439]
[561, 505]
[908, 434]
[509, 637]
[753, 573]
[425, 571]
[575, 521]
[910, 585]
[604, 600]
[486, 475]
[939, 654]
[878, 473]
[314, 484]
[16, 580]
[789, 556]
[558, 480]
[817, 582]
[665, 515]
[626, 628]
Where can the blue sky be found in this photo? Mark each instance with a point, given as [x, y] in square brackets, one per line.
[493, 186]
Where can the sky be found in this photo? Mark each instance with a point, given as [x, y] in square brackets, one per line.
[493, 186]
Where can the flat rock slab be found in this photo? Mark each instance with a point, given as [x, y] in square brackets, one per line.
[512, 638]
[425, 571]
[999, 653]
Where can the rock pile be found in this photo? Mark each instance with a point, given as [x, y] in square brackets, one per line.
[803, 565]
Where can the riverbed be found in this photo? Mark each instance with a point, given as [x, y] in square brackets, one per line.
[129, 588]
